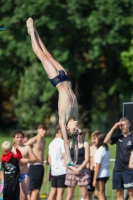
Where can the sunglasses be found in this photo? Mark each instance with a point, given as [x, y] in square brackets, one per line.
[80, 133]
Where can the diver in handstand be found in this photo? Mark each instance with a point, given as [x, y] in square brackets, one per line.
[67, 102]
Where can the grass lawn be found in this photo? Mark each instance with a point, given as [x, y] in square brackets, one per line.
[46, 184]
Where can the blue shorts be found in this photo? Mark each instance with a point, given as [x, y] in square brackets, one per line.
[122, 179]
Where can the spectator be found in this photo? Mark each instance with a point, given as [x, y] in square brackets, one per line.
[90, 165]
[58, 163]
[27, 157]
[102, 162]
[11, 171]
[36, 170]
[78, 174]
[122, 175]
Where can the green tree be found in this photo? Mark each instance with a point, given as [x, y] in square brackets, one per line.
[34, 94]
[127, 60]
[87, 37]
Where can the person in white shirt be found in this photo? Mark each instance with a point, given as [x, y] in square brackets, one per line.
[102, 162]
[58, 162]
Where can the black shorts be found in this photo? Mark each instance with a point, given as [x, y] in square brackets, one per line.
[59, 181]
[11, 191]
[122, 179]
[103, 179]
[90, 186]
[36, 173]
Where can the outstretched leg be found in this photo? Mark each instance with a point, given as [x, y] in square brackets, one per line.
[55, 63]
[41, 51]
[47, 64]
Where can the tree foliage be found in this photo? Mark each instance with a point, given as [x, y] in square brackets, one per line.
[87, 37]
[127, 60]
[34, 94]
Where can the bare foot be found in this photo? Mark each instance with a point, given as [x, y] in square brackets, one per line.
[30, 25]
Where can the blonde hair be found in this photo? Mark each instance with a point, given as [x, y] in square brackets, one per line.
[94, 133]
[6, 146]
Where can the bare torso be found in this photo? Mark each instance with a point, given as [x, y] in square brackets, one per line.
[67, 103]
[92, 153]
[38, 149]
[67, 110]
[24, 151]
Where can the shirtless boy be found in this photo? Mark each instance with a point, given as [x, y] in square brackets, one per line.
[93, 149]
[27, 157]
[67, 101]
[36, 170]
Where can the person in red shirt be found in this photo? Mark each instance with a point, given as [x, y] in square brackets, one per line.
[11, 171]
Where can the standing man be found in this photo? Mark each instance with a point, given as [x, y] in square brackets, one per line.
[122, 175]
[58, 163]
[36, 170]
